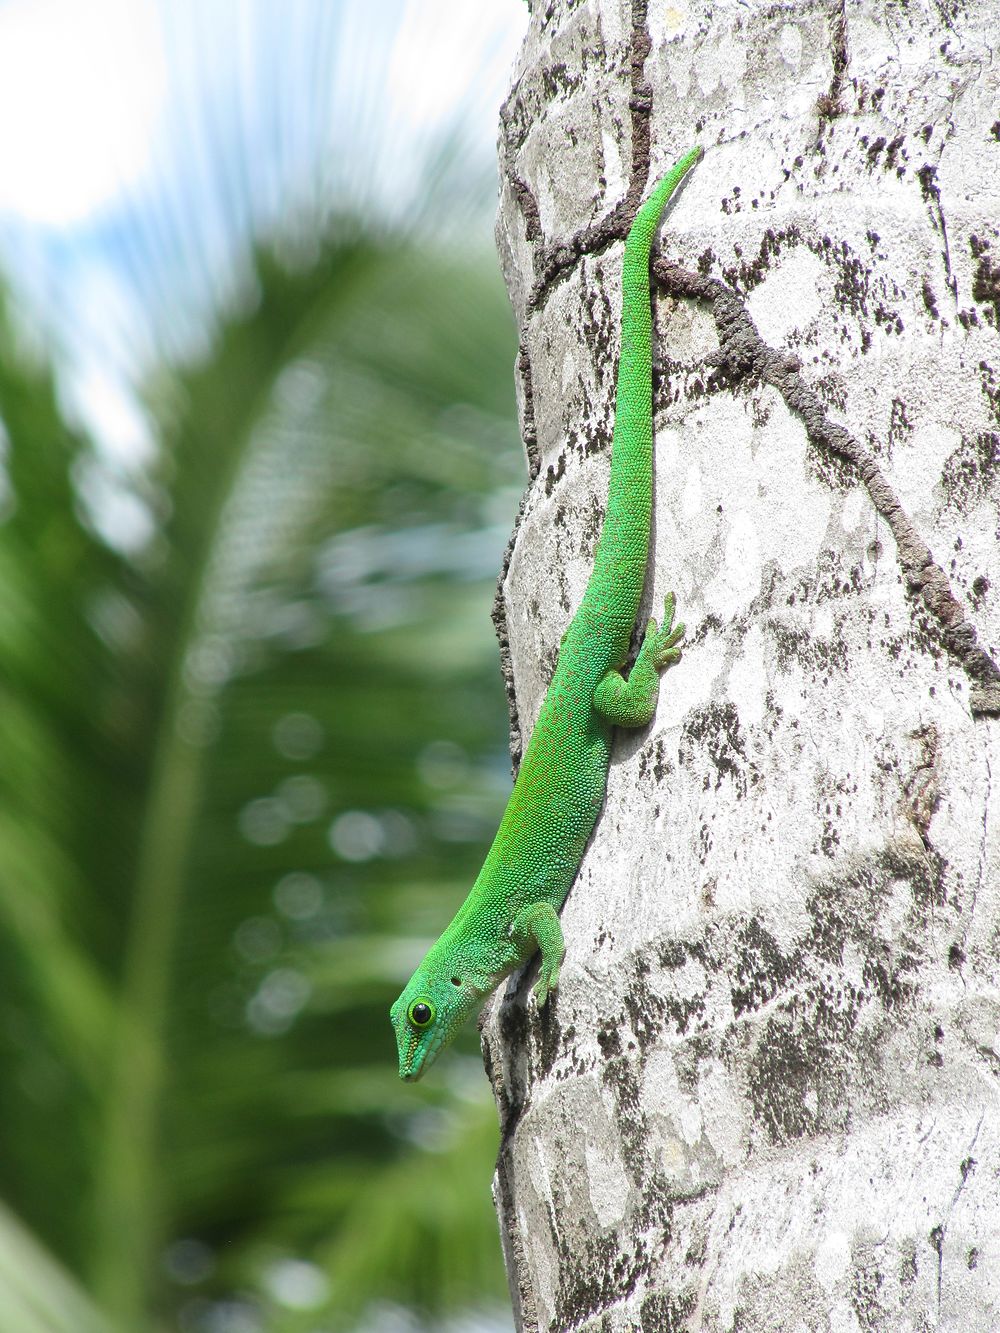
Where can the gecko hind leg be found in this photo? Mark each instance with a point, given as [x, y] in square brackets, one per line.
[632, 702]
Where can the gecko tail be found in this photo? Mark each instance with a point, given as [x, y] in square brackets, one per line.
[614, 589]
[647, 219]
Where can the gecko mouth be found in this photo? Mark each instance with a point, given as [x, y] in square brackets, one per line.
[418, 1055]
[411, 1061]
[408, 1073]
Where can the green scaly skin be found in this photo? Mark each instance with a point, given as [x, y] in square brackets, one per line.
[511, 910]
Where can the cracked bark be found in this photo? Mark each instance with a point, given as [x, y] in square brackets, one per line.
[776, 1036]
[742, 352]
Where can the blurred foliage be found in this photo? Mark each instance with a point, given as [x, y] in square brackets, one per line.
[248, 774]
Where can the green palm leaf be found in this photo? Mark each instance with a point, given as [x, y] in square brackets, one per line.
[208, 946]
[39, 1296]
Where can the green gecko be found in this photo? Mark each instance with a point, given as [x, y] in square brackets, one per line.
[511, 910]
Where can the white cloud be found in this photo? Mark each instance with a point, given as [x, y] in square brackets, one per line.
[81, 86]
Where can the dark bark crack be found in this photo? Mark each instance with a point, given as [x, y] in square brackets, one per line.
[743, 352]
[555, 262]
[552, 263]
[499, 617]
[966, 1168]
[830, 104]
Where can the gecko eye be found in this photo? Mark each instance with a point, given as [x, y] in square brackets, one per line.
[456, 981]
[420, 1014]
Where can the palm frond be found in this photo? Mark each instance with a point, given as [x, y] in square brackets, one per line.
[251, 766]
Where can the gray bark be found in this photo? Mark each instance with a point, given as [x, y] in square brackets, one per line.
[767, 1094]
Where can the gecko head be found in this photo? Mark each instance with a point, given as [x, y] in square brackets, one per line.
[428, 1014]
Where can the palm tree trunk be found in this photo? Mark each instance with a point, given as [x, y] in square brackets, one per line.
[767, 1096]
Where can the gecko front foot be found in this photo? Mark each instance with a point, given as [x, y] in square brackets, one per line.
[537, 926]
[664, 648]
[632, 702]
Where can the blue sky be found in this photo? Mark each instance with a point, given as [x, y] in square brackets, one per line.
[155, 139]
